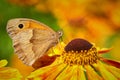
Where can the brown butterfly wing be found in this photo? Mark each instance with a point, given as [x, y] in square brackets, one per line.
[32, 42]
[42, 40]
[23, 46]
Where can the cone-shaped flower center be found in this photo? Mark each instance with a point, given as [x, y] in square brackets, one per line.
[80, 52]
[78, 45]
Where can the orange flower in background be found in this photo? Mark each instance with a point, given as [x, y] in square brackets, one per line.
[92, 20]
[40, 62]
[23, 69]
[84, 18]
[8, 73]
[96, 21]
[79, 60]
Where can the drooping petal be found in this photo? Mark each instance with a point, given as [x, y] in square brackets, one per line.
[48, 73]
[54, 72]
[72, 73]
[81, 75]
[111, 62]
[66, 74]
[115, 71]
[104, 72]
[92, 74]
[45, 60]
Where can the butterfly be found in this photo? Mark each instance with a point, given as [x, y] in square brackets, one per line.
[31, 39]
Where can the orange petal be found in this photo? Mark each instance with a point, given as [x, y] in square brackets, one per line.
[47, 72]
[102, 51]
[92, 74]
[45, 60]
[104, 72]
[111, 62]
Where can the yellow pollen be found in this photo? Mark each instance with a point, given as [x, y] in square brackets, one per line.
[84, 57]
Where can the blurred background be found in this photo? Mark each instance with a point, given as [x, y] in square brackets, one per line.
[97, 21]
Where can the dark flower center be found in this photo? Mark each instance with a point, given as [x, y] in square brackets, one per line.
[78, 45]
[80, 52]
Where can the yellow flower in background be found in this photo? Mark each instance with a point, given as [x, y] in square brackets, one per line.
[8, 73]
[80, 60]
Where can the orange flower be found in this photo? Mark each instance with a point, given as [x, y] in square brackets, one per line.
[8, 73]
[80, 60]
[87, 19]
[23, 69]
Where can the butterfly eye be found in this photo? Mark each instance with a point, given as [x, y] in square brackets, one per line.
[20, 26]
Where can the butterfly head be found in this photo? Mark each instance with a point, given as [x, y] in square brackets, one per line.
[14, 26]
[60, 33]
